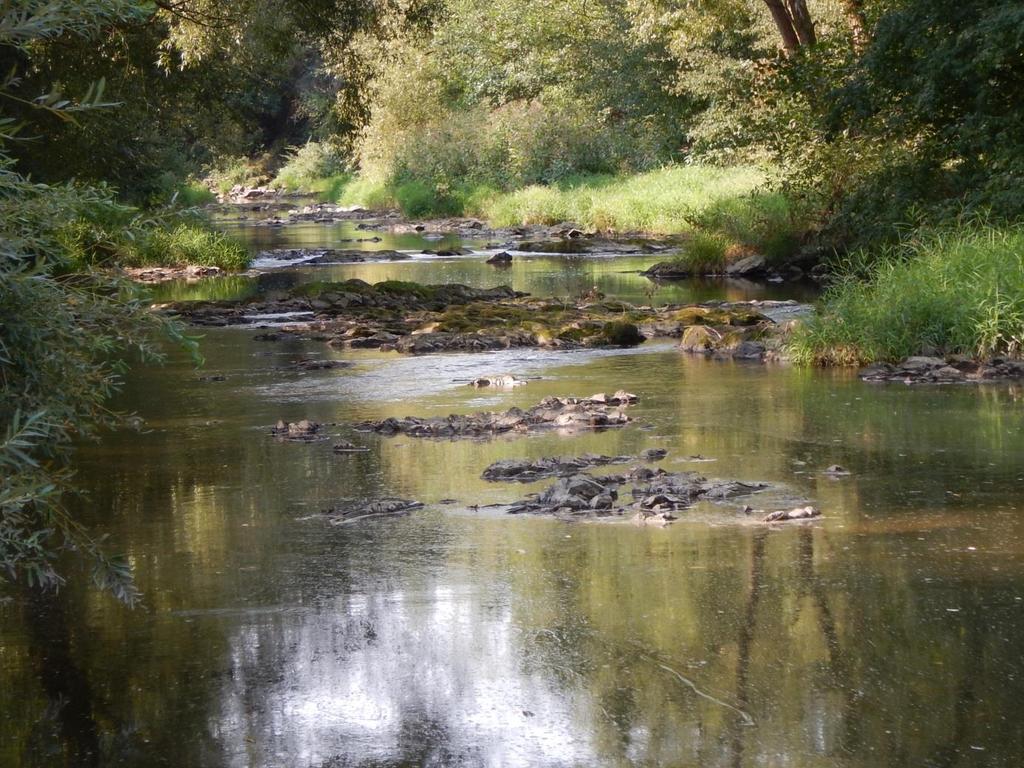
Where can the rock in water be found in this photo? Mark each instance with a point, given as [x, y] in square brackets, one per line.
[566, 412]
[300, 431]
[502, 380]
[622, 334]
[836, 471]
[784, 515]
[527, 471]
[344, 514]
[348, 447]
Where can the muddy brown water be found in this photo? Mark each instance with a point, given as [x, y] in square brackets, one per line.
[887, 633]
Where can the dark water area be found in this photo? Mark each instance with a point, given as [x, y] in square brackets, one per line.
[887, 633]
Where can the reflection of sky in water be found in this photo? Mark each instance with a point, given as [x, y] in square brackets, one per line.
[392, 377]
[434, 675]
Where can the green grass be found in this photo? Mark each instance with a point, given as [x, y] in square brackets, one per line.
[314, 167]
[666, 201]
[185, 245]
[939, 292]
[193, 194]
[730, 204]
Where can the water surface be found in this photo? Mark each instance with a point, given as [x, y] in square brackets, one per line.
[887, 633]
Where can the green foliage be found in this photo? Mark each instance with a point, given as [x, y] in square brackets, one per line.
[117, 236]
[308, 165]
[954, 291]
[62, 353]
[192, 194]
[509, 94]
[232, 172]
[65, 335]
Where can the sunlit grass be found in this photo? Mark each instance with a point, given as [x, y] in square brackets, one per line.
[186, 245]
[733, 203]
[944, 292]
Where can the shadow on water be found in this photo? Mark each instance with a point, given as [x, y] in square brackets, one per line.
[69, 696]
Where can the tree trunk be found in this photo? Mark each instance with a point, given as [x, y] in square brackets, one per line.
[854, 10]
[784, 23]
[802, 22]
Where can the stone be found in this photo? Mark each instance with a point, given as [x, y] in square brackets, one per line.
[346, 446]
[754, 264]
[502, 258]
[300, 431]
[502, 380]
[344, 514]
[921, 363]
[836, 470]
[550, 412]
[784, 515]
[746, 350]
[699, 339]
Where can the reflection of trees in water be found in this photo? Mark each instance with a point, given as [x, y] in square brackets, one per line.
[65, 684]
[746, 639]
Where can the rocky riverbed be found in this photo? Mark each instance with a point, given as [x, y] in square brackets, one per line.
[419, 319]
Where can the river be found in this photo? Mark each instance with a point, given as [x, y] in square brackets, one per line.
[889, 632]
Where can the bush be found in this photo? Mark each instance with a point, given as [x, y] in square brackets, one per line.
[939, 292]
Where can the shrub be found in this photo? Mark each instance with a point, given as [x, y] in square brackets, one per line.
[705, 253]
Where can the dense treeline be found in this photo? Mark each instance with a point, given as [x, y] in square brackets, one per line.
[876, 112]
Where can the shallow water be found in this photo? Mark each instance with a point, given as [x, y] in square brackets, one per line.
[889, 632]
[538, 274]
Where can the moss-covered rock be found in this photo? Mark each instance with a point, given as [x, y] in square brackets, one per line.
[699, 339]
[621, 334]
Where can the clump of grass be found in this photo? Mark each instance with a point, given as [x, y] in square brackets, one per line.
[705, 253]
[945, 292]
[330, 188]
[666, 201]
[729, 204]
[185, 245]
[193, 194]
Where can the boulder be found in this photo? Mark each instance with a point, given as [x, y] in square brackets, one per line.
[699, 339]
[784, 515]
[622, 334]
[501, 258]
[748, 266]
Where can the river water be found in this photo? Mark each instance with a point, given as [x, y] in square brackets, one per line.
[887, 633]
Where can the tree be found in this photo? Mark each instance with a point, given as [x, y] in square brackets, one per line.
[793, 21]
[63, 335]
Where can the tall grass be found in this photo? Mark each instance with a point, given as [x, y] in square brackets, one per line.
[666, 201]
[946, 292]
[186, 245]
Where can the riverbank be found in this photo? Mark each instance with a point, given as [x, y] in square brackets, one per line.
[732, 204]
